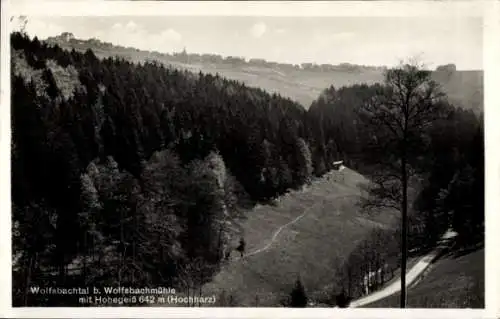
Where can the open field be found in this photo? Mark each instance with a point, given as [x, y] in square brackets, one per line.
[453, 281]
[307, 234]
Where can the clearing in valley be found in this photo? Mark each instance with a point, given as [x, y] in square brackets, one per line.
[307, 234]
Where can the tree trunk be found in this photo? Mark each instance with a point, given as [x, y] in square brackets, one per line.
[28, 280]
[84, 253]
[382, 275]
[404, 217]
[220, 254]
[200, 286]
[349, 282]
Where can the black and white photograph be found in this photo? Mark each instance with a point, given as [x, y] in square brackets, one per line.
[256, 161]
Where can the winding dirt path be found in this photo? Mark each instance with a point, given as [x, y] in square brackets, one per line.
[373, 223]
[278, 231]
[293, 221]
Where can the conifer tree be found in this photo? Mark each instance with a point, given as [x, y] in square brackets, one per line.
[298, 297]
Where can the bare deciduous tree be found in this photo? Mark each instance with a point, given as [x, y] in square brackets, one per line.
[397, 117]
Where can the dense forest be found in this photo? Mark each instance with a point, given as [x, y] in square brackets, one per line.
[140, 168]
[130, 174]
[447, 183]
[448, 165]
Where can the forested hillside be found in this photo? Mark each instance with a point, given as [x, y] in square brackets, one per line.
[453, 151]
[302, 83]
[134, 174]
[133, 171]
[446, 187]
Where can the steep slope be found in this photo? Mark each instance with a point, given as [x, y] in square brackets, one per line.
[307, 233]
[302, 84]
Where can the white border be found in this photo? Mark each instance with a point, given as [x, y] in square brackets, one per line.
[491, 61]
[487, 9]
[5, 221]
[249, 8]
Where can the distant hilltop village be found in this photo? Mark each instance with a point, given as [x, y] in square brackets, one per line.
[68, 38]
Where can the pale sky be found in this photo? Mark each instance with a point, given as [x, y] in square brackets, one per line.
[358, 40]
